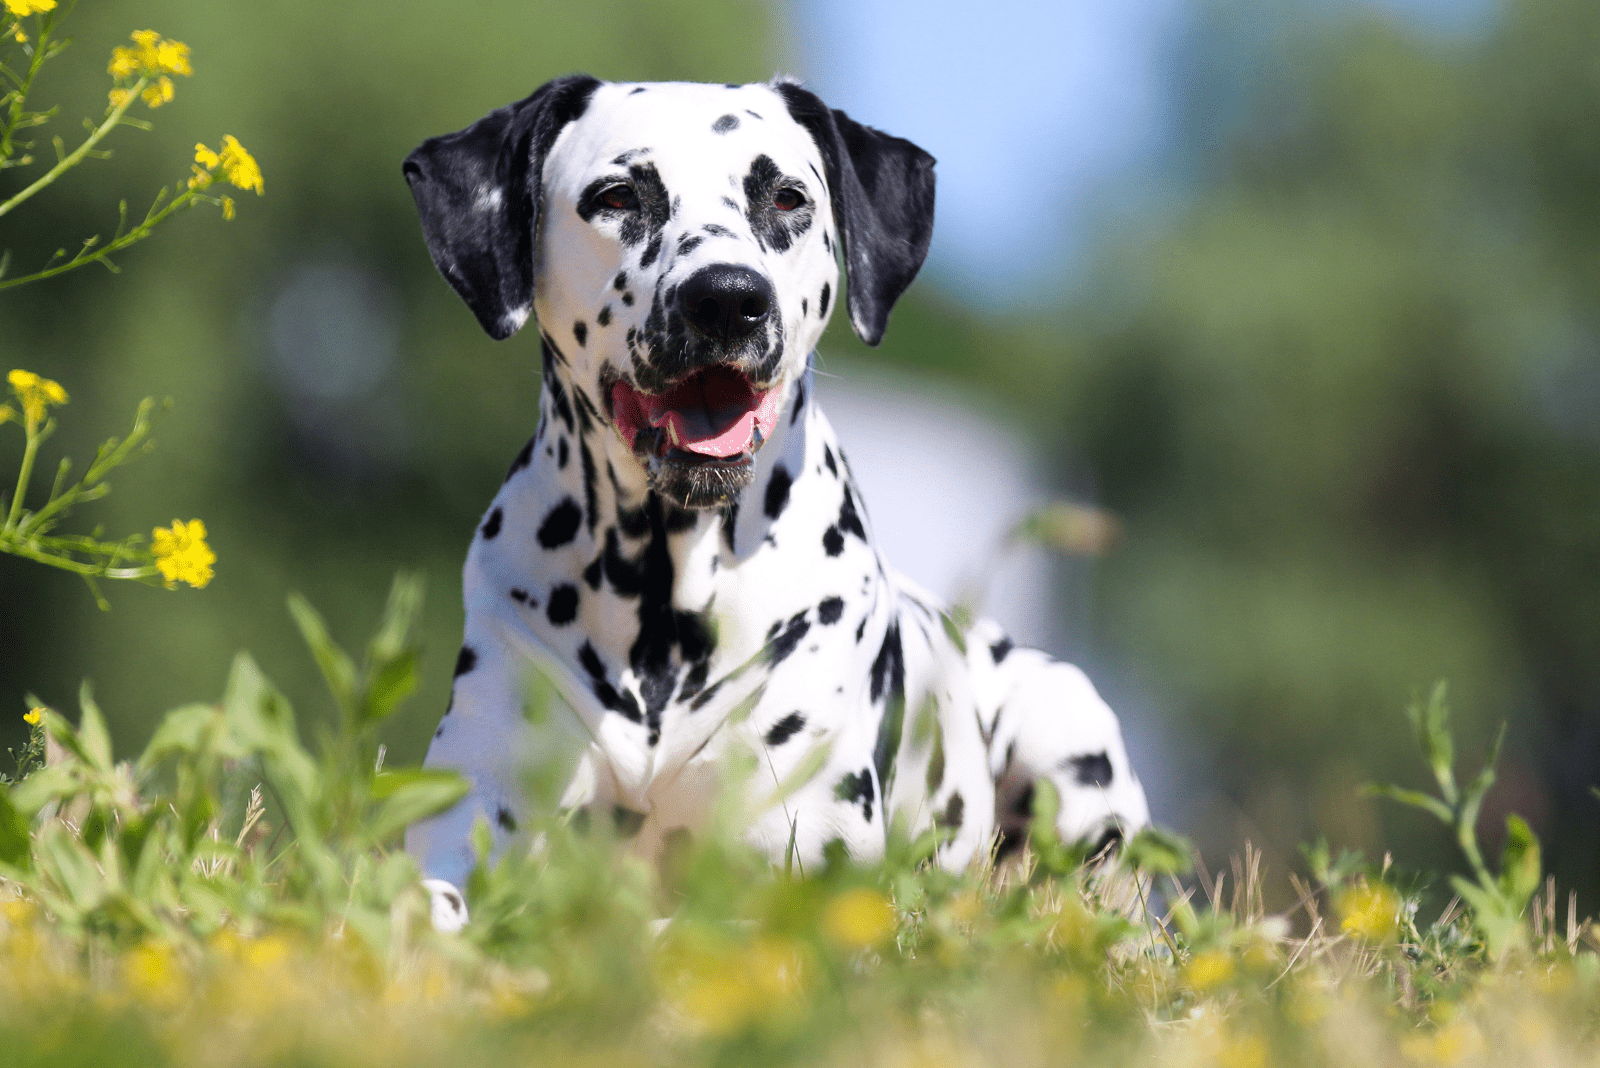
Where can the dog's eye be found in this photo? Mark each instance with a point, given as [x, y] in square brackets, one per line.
[787, 199]
[619, 198]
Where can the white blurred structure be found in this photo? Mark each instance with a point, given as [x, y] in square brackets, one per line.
[942, 486]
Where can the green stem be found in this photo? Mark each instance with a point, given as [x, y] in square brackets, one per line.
[28, 452]
[40, 47]
[137, 234]
[71, 161]
[77, 567]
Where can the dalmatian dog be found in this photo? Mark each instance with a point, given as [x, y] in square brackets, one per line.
[680, 549]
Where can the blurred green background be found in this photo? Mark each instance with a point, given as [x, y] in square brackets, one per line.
[1342, 386]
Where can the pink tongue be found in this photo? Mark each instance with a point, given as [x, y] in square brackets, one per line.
[713, 413]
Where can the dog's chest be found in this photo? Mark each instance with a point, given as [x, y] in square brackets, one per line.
[659, 624]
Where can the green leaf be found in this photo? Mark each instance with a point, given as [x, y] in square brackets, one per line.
[1157, 851]
[48, 784]
[390, 683]
[337, 668]
[15, 846]
[1473, 798]
[804, 770]
[393, 639]
[1432, 725]
[262, 721]
[1415, 798]
[92, 733]
[187, 730]
[1519, 863]
[410, 795]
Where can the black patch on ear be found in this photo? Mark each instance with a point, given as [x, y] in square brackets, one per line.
[778, 491]
[724, 124]
[491, 526]
[1001, 649]
[580, 330]
[477, 192]
[524, 458]
[563, 608]
[785, 728]
[882, 189]
[855, 787]
[830, 610]
[561, 525]
[1092, 769]
[466, 660]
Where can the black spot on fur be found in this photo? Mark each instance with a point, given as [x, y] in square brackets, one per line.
[520, 595]
[633, 522]
[620, 282]
[563, 608]
[681, 519]
[627, 821]
[636, 92]
[849, 519]
[832, 541]
[610, 698]
[588, 482]
[805, 306]
[560, 526]
[724, 124]
[730, 523]
[773, 227]
[778, 491]
[780, 647]
[506, 820]
[752, 114]
[694, 680]
[799, 402]
[954, 811]
[1091, 769]
[889, 685]
[561, 454]
[651, 251]
[688, 244]
[491, 526]
[1001, 649]
[595, 571]
[827, 458]
[1111, 837]
[855, 787]
[627, 299]
[580, 330]
[823, 298]
[604, 315]
[829, 611]
[524, 458]
[785, 728]
[861, 630]
[466, 660]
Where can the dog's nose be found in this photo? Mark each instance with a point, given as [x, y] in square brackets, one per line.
[726, 302]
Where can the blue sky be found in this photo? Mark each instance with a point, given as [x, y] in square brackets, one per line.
[1047, 116]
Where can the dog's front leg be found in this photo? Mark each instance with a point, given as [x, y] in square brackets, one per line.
[483, 736]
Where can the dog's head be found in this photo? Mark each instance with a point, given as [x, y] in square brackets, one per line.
[677, 244]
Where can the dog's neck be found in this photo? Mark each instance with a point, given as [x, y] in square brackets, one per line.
[680, 561]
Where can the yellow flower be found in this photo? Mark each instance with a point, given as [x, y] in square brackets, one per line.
[32, 716]
[152, 56]
[1370, 911]
[182, 554]
[7, 412]
[237, 165]
[36, 395]
[859, 919]
[24, 8]
[1208, 970]
[160, 92]
[240, 166]
[227, 207]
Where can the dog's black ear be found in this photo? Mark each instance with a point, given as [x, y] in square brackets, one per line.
[882, 189]
[477, 191]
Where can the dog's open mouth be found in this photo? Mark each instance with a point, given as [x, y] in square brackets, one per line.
[714, 415]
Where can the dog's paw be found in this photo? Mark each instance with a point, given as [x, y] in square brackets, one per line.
[449, 908]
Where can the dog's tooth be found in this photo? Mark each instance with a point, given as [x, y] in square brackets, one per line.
[755, 437]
